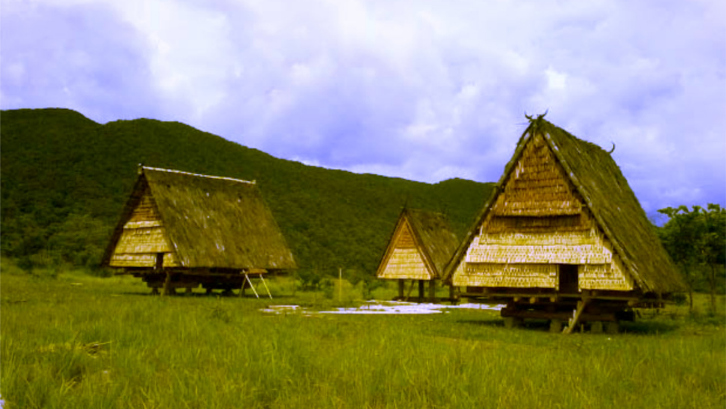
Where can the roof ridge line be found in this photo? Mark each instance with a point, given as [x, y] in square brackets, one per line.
[253, 182]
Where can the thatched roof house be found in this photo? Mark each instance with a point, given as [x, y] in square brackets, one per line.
[563, 219]
[189, 222]
[419, 248]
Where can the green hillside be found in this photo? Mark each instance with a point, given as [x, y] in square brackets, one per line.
[65, 179]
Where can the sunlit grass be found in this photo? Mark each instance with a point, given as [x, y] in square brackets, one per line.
[83, 342]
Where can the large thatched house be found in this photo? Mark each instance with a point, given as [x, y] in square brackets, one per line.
[418, 250]
[181, 229]
[563, 236]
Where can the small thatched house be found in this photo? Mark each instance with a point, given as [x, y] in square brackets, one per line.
[420, 246]
[563, 236]
[181, 229]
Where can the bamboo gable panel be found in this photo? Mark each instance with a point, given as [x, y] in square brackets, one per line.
[404, 239]
[537, 186]
[142, 238]
[507, 275]
[406, 263]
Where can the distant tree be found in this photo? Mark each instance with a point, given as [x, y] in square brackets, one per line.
[712, 245]
[696, 237]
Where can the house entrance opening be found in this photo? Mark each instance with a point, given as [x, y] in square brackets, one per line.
[568, 278]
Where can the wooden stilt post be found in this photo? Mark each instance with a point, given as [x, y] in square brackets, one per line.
[410, 288]
[401, 285]
[167, 284]
[266, 287]
[420, 290]
[252, 286]
[432, 290]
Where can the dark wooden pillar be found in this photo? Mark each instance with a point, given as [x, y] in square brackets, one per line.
[159, 261]
[167, 284]
[432, 290]
[401, 285]
[420, 290]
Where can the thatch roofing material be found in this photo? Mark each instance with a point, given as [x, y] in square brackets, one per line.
[432, 236]
[211, 222]
[606, 194]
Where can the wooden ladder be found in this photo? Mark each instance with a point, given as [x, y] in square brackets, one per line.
[575, 316]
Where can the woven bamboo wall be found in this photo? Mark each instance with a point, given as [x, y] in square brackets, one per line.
[405, 260]
[142, 238]
[604, 277]
[508, 275]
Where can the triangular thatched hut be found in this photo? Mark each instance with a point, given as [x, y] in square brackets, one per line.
[418, 250]
[563, 236]
[181, 229]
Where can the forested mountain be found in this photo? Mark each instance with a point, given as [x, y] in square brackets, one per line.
[65, 179]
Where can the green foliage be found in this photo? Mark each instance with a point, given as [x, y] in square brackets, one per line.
[66, 178]
[696, 239]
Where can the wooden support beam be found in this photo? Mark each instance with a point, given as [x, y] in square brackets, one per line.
[252, 286]
[512, 322]
[266, 287]
[410, 288]
[420, 290]
[401, 288]
[612, 327]
[432, 291]
[556, 325]
[452, 295]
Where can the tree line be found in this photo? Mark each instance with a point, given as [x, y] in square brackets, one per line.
[696, 241]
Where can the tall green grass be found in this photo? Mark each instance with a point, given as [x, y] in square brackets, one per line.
[84, 342]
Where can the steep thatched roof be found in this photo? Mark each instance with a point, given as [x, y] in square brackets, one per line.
[598, 180]
[211, 222]
[435, 236]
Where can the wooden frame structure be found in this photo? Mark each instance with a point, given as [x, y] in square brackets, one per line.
[563, 238]
[419, 248]
[185, 230]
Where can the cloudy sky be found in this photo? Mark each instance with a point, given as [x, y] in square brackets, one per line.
[424, 90]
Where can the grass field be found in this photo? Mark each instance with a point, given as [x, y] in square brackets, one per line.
[77, 341]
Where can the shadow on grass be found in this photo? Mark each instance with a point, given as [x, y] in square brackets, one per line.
[648, 327]
[205, 295]
[637, 327]
[497, 322]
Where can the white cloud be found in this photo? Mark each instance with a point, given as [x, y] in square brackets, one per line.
[423, 90]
